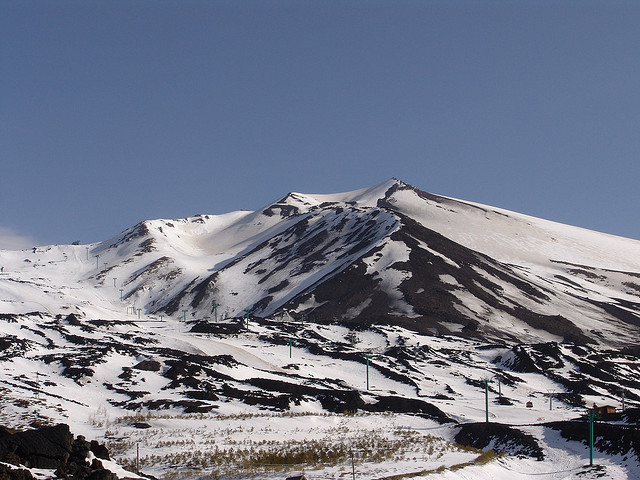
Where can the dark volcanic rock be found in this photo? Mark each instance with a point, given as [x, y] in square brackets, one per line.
[504, 437]
[410, 405]
[51, 448]
[8, 473]
[47, 447]
[614, 439]
[148, 365]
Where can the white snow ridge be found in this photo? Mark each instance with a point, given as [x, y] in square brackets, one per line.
[369, 334]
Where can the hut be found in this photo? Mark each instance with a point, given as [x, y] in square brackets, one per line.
[604, 409]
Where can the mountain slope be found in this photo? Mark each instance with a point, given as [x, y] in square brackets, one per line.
[387, 301]
[389, 254]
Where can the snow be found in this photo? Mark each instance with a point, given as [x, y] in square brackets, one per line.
[516, 238]
[58, 280]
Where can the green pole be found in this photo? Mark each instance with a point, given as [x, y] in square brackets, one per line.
[367, 357]
[591, 440]
[486, 399]
[290, 343]
[184, 315]
[591, 416]
[247, 317]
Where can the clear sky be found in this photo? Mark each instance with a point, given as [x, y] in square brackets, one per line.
[114, 112]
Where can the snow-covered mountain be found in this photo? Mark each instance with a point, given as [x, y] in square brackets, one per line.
[390, 254]
[274, 309]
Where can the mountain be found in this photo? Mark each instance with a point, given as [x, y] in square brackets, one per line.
[203, 315]
[390, 254]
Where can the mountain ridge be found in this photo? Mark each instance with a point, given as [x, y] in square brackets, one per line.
[434, 263]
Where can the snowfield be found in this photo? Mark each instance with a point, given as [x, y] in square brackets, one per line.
[336, 335]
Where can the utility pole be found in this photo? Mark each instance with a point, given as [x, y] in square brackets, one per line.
[184, 316]
[215, 311]
[139, 310]
[247, 311]
[290, 343]
[97, 261]
[121, 292]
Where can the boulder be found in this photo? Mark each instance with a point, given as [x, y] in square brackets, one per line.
[46, 447]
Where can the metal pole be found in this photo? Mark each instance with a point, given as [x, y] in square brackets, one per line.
[247, 316]
[121, 291]
[486, 400]
[139, 310]
[114, 282]
[591, 440]
[591, 416]
[367, 357]
[87, 253]
[215, 311]
[97, 261]
[184, 315]
[290, 343]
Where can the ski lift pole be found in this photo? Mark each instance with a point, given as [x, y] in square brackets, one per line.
[367, 357]
[247, 311]
[591, 416]
[486, 398]
[290, 343]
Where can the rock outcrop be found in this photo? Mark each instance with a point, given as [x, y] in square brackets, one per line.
[52, 448]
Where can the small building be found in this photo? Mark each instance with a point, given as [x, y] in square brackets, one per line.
[604, 409]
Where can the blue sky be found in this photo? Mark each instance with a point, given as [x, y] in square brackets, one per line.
[115, 112]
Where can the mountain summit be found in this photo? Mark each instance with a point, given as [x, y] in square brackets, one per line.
[389, 254]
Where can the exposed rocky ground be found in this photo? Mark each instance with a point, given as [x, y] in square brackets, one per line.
[52, 448]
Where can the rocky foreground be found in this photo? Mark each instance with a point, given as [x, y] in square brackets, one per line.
[55, 449]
